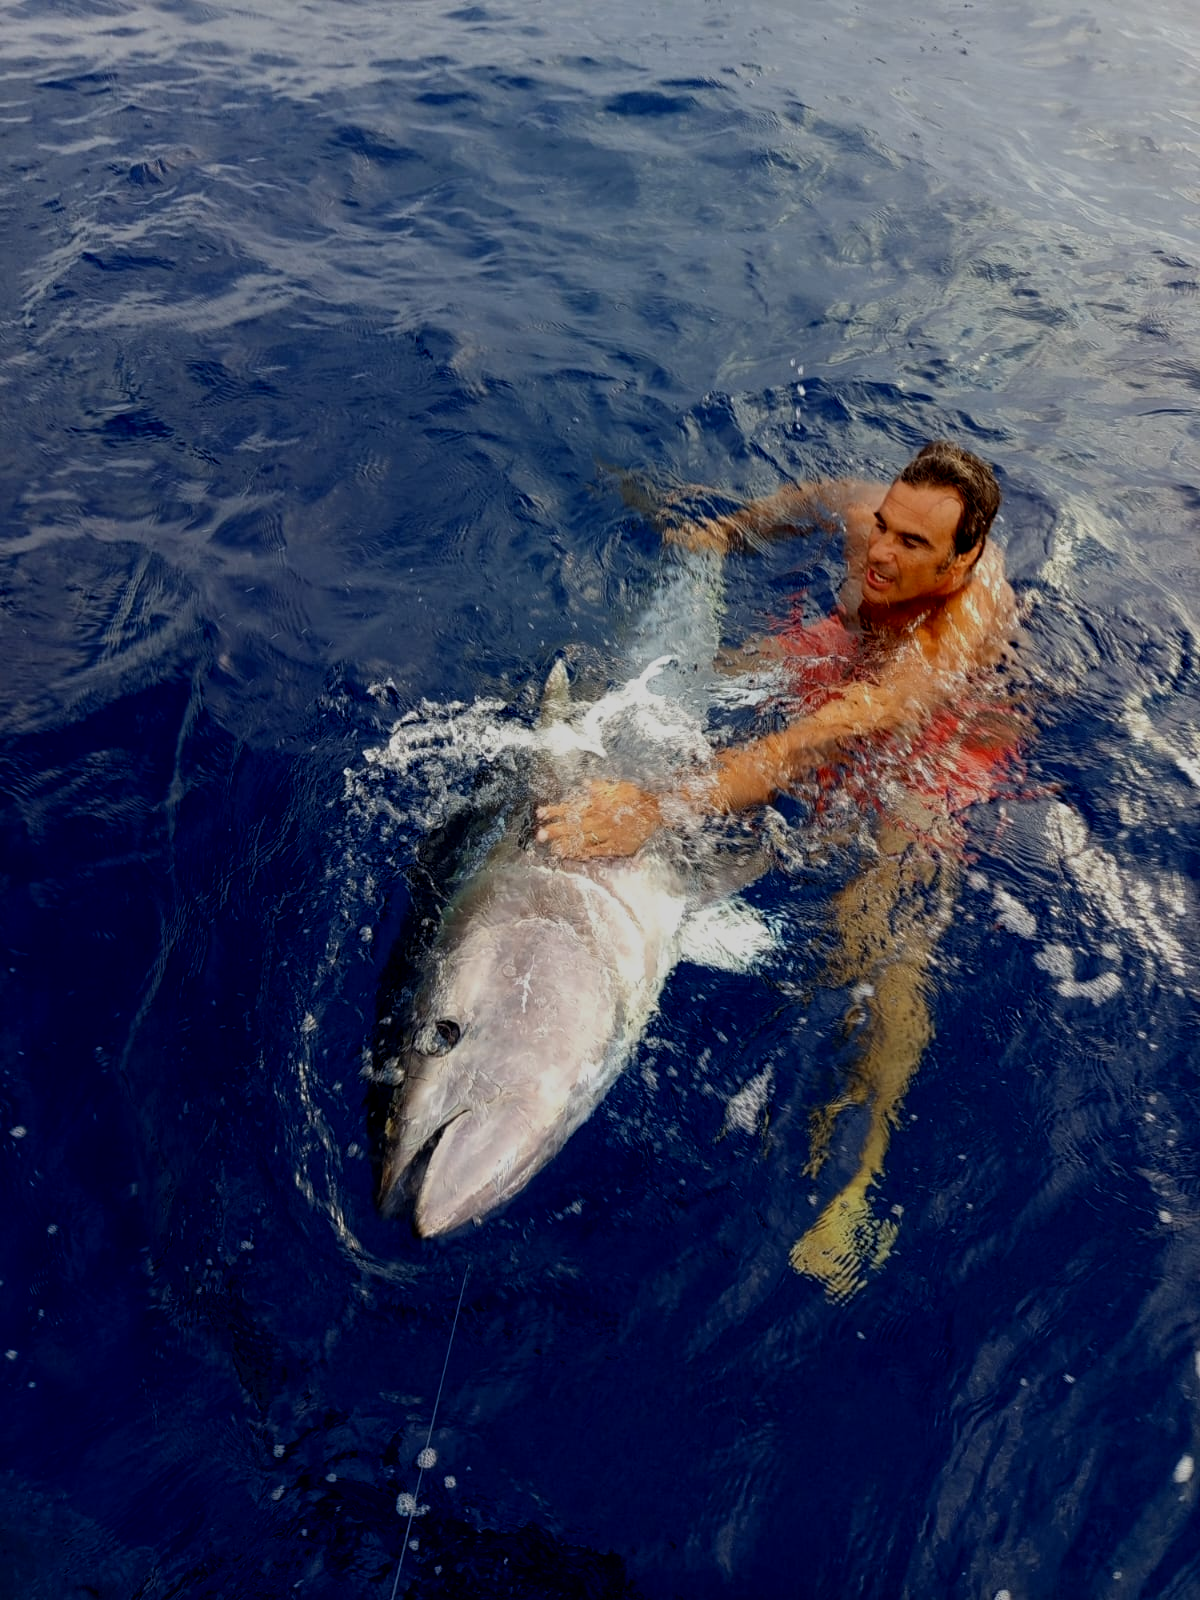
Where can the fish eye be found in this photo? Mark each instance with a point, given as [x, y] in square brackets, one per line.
[436, 1038]
[448, 1031]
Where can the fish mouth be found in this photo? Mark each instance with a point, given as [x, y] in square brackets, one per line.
[469, 1172]
[404, 1172]
[443, 1201]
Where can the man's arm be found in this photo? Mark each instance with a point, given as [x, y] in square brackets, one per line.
[617, 818]
[848, 503]
[924, 672]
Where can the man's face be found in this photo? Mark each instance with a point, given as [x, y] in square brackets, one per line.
[910, 554]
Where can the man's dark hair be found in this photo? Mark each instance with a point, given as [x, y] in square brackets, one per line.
[941, 464]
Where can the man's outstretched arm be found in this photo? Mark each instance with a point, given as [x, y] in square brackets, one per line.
[617, 818]
[848, 502]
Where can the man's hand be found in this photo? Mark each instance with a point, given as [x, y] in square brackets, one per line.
[716, 534]
[674, 517]
[605, 819]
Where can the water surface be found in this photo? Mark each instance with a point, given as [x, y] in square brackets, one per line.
[321, 329]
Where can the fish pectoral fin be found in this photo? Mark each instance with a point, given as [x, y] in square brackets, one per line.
[728, 934]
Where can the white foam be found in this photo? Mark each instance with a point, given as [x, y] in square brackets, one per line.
[1097, 990]
[1059, 961]
[745, 1109]
[660, 721]
[1056, 959]
[1143, 731]
[435, 748]
[1013, 915]
[1125, 899]
[432, 750]
[1079, 523]
[728, 934]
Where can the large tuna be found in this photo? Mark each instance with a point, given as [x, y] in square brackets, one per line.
[544, 972]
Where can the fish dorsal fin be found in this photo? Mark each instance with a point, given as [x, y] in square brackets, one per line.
[556, 696]
[728, 934]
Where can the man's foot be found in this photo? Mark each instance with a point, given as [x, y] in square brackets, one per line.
[843, 1243]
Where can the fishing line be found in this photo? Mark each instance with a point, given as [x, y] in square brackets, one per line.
[424, 1455]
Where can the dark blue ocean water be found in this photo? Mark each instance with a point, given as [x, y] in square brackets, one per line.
[320, 329]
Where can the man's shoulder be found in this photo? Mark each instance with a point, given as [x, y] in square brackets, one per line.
[975, 621]
[993, 595]
[990, 565]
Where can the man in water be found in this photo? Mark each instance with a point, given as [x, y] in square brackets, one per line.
[890, 706]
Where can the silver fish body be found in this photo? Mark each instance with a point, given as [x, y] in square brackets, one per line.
[544, 973]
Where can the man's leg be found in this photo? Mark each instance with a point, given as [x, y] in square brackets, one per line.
[888, 919]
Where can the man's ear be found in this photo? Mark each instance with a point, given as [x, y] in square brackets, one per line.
[958, 565]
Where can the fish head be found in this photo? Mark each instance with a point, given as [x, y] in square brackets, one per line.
[511, 1031]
